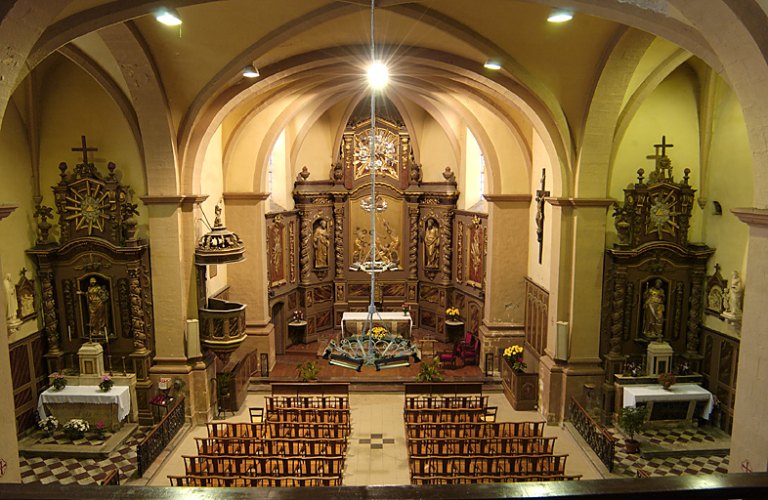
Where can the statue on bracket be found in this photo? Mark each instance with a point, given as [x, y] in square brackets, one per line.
[321, 242]
[97, 300]
[654, 306]
[732, 300]
[11, 302]
[431, 244]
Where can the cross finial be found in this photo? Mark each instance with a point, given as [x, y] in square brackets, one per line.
[84, 148]
[663, 146]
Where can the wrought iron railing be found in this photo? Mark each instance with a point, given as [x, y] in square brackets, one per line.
[158, 438]
[112, 478]
[601, 442]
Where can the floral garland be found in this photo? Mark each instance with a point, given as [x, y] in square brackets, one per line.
[514, 354]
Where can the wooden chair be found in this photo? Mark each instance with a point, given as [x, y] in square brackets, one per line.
[490, 414]
[257, 415]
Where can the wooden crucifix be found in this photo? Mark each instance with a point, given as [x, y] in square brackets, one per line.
[84, 149]
[540, 195]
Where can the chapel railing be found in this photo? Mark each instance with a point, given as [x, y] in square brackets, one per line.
[222, 324]
[158, 438]
[601, 442]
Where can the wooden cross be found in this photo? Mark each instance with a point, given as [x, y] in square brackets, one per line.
[84, 148]
[540, 195]
[663, 146]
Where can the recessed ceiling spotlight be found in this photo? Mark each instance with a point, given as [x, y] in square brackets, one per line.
[168, 16]
[250, 71]
[378, 75]
[492, 65]
[560, 16]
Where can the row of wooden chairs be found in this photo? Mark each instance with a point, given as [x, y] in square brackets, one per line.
[485, 465]
[482, 446]
[225, 465]
[278, 429]
[246, 446]
[419, 402]
[254, 481]
[338, 402]
[479, 479]
[318, 415]
[474, 429]
[443, 415]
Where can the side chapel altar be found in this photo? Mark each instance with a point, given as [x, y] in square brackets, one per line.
[87, 402]
[679, 402]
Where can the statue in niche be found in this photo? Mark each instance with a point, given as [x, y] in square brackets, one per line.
[732, 300]
[654, 300]
[11, 300]
[97, 298]
[321, 242]
[432, 244]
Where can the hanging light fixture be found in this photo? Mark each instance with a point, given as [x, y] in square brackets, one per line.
[250, 71]
[560, 16]
[168, 16]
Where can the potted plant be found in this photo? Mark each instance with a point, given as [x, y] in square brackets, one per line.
[406, 309]
[59, 381]
[430, 372]
[521, 388]
[308, 371]
[667, 380]
[106, 383]
[453, 314]
[224, 382]
[101, 429]
[514, 354]
[48, 424]
[76, 428]
[632, 420]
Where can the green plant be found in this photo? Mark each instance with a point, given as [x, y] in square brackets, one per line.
[224, 382]
[308, 370]
[632, 419]
[430, 372]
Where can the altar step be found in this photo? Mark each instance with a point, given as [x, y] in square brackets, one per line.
[39, 445]
[383, 384]
[684, 441]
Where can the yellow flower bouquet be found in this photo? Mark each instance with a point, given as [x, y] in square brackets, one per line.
[452, 313]
[378, 332]
[514, 354]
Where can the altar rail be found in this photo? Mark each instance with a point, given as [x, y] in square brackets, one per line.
[158, 438]
[601, 442]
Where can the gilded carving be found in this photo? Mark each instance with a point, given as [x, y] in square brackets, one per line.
[412, 292]
[124, 302]
[460, 253]
[413, 226]
[68, 287]
[432, 242]
[321, 243]
[338, 214]
[276, 250]
[476, 253]
[49, 313]
[137, 312]
[304, 260]
[292, 251]
[340, 292]
[386, 158]
[309, 298]
[447, 238]
[694, 310]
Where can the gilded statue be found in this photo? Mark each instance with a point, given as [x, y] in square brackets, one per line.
[654, 300]
[432, 244]
[321, 242]
[97, 297]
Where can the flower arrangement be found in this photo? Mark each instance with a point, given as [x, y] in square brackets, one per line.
[514, 354]
[667, 380]
[633, 369]
[59, 381]
[76, 428]
[406, 309]
[298, 315]
[378, 332]
[452, 313]
[48, 424]
[106, 383]
[100, 428]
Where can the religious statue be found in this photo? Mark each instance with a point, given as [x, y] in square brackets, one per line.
[654, 300]
[97, 297]
[361, 245]
[11, 301]
[321, 242]
[432, 244]
[732, 300]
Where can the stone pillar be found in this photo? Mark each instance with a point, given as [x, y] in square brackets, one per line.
[9, 448]
[172, 244]
[578, 281]
[244, 215]
[508, 218]
[749, 440]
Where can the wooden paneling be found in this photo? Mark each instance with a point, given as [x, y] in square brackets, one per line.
[536, 312]
[721, 358]
[28, 377]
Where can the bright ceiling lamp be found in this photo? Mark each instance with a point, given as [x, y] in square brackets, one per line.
[560, 16]
[250, 71]
[378, 75]
[492, 65]
[168, 16]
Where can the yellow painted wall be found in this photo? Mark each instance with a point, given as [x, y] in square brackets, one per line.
[540, 272]
[212, 184]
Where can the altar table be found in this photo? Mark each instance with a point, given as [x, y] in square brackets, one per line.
[389, 319]
[678, 392]
[83, 401]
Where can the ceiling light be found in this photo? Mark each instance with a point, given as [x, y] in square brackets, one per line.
[492, 65]
[378, 75]
[250, 71]
[168, 16]
[560, 16]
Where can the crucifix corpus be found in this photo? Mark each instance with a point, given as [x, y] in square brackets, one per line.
[541, 194]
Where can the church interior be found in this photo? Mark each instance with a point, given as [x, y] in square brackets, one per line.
[234, 255]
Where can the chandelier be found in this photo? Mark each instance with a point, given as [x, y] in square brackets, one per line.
[375, 345]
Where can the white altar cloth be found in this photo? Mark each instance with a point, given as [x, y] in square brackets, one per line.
[389, 316]
[678, 392]
[88, 394]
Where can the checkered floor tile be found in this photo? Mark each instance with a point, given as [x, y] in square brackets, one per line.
[377, 441]
[79, 470]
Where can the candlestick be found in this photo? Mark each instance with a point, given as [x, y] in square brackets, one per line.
[69, 332]
[124, 372]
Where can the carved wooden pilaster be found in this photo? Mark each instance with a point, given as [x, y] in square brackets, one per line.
[137, 312]
[49, 314]
[695, 309]
[413, 226]
[446, 243]
[305, 234]
[338, 240]
[617, 310]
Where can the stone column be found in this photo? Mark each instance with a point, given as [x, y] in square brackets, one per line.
[172, 244]
[750, 434]
[508, 219]
[9, 448]
[578, 281]
[244, 215]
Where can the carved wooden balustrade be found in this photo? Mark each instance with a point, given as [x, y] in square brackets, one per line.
[222, 325]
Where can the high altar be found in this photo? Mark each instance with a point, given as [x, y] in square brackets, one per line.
[653, 284]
